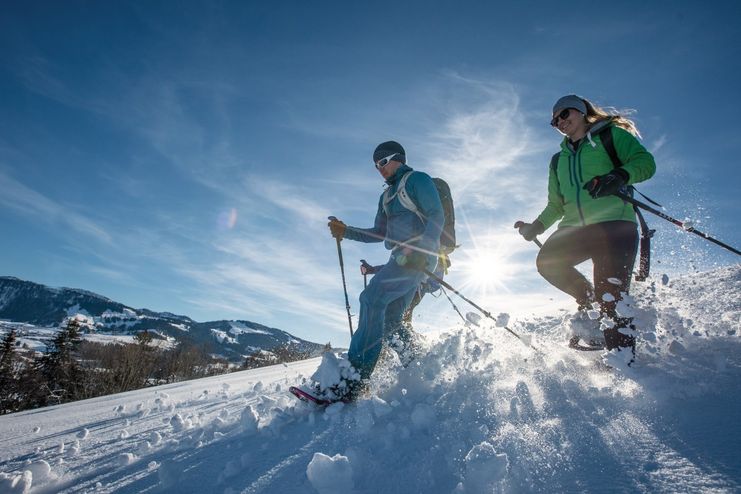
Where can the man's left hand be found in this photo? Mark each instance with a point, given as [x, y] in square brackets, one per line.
[606, 185]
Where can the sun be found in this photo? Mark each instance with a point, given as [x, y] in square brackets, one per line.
[485, 270]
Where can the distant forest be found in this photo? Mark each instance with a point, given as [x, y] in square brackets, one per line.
[73, 369]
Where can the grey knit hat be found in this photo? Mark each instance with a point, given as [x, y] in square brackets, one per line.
[570, 101]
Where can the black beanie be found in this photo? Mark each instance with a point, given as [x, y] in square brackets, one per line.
[387, 149]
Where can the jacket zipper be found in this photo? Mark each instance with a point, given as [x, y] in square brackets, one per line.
[571, 170]
[577, 160]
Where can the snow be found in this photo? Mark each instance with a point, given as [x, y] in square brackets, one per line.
[332, 375]
[330, 475]
[236, 328]
[478, 412]
[38, 337]
[75, 311]
[222, 336]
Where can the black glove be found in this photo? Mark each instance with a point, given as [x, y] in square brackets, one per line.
[414, 260]
[337, 228]
[530, 230]
[606, 185]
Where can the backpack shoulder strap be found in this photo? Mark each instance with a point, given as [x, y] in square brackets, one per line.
[554, 166]
[401, 192]
[644, 264]
[605, 136]
[404, 198]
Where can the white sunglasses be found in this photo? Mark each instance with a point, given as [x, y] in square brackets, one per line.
[384, 161]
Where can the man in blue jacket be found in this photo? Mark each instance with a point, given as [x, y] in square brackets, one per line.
[413, 237]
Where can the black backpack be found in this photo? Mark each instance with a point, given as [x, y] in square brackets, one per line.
[644, 264]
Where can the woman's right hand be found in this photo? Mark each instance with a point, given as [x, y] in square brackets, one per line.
[530, 230]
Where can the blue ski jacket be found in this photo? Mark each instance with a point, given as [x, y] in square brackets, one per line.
[397, 226]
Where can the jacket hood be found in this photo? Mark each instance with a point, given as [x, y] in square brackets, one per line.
[593, 130]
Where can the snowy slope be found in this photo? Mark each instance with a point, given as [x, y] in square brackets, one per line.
[480, 412]
[37, 311]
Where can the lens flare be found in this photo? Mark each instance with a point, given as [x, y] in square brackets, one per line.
[487, 269]
[228, 219]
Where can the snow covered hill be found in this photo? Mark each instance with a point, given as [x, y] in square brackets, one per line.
[37, 311]
[480, 412]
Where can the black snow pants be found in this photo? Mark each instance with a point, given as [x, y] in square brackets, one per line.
[612, 247]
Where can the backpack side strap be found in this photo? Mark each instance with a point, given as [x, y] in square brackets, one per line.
[644, 264]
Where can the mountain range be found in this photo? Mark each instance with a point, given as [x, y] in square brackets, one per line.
[40, 306]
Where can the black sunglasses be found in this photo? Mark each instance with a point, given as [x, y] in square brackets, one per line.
[563, 116]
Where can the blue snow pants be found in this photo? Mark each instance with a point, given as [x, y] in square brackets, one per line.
[382, 306]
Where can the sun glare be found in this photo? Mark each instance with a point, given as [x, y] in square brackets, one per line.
[486, 270]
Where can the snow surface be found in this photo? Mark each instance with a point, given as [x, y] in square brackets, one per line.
[38, 337]
[236, 328]
[479, 412]
[222, 336]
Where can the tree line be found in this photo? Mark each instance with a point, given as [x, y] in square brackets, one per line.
[73, 369]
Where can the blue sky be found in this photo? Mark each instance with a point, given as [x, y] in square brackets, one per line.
[184, 156]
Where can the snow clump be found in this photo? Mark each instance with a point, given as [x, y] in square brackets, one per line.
[330, 475]
[249, 420]
[333, 375]
[16, 484]
[485, 469]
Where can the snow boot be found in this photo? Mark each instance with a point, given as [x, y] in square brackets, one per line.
[622, 340]
[585, 330]
[407, 344]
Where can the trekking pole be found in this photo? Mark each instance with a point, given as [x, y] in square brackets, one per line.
[453, 304]
[483, 311]
[681, 225]
[537, 242]
[344, 283]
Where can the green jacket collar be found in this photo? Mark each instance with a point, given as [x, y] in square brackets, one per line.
[592, 131]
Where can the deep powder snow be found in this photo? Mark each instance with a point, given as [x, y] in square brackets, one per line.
[479, 412]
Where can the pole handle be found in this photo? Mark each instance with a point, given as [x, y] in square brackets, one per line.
[537, 242]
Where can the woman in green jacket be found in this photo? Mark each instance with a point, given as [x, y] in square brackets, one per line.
[594, 224]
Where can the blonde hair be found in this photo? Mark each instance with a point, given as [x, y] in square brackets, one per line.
[617, 117]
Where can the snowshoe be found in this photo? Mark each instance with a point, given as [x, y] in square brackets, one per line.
[310, 396]
[575, 343]
[408, 346]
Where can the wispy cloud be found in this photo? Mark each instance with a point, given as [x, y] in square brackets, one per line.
[290, 198]
[267, 277]
[35, 205]
[658, 144]
[485, 141]
[496, 164]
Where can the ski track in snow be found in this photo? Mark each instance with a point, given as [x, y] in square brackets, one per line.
[480, 412]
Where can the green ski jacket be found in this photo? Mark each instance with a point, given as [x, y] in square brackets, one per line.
[567, 199]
